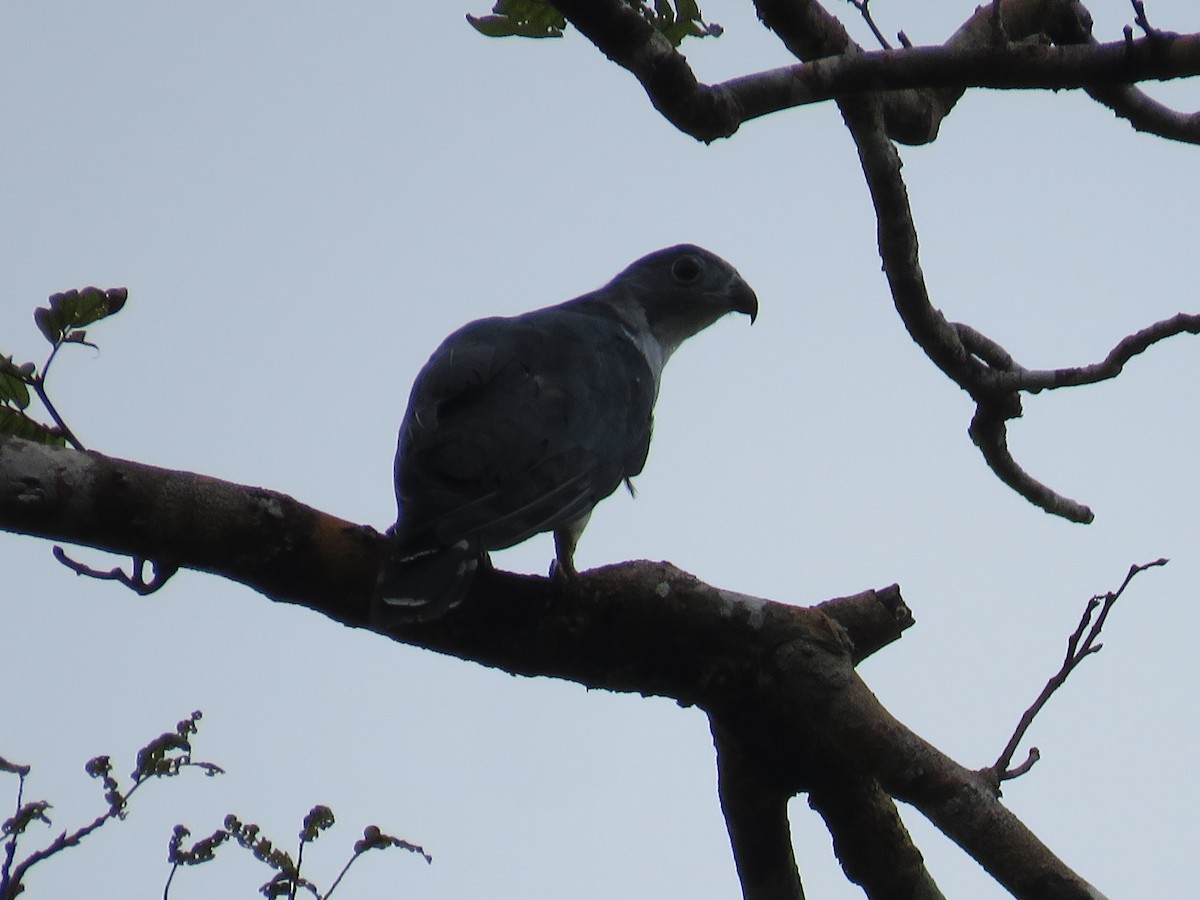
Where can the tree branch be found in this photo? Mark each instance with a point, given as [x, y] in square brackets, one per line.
[755, 811]
[918, 85]
[781, 677]
[872, 844]
[1016, 378]
[875, 92]
[1082, 643]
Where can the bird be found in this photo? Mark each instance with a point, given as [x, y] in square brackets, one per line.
[521, 425]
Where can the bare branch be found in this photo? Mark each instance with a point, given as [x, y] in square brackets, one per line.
[918, 85]
[864, 8]
[989, 433]
[1148, 115]
[1139, 10]
[1082, 643]
[1036, 380]
[136, 581]
[755, 810]
[871, 842]
[1126, 100]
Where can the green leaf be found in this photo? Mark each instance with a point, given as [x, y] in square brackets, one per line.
[15, 423]
[679, 19]
[520, 18]
[49, 323]
[12, 383]
[75, 309]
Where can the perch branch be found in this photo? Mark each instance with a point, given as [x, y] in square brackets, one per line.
[783, 676]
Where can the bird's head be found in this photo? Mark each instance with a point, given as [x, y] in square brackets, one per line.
[678, 292]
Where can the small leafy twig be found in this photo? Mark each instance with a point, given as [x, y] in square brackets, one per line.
[1082, 643]
[287, 880]
[374, 839]
[136, 581]
[164, 757]
[21, 820]
[61, 323]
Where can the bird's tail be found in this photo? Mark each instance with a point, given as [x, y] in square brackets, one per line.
[420, 585]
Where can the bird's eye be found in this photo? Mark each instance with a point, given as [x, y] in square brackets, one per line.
[686, 269]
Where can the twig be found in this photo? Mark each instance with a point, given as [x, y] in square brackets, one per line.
[1139, 19]
[39, 386]
[1081, 644]
[864, 7]
[10, 846]
[136, 581]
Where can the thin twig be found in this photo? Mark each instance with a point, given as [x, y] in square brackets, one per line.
[864, 7]
[1081, 644]
[39, 387]
[136, 581]
[10, 846]
[1139, 19]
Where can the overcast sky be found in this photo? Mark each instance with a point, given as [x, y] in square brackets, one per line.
[303, 198]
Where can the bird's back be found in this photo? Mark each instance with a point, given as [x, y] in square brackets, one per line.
[520, 425]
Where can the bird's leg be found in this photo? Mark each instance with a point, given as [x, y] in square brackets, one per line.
[565, 539]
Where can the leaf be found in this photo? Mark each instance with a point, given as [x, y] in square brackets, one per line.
[15, 423]
[75, 309]
[49, 323]
[12, 383]
[679, 19]
[520, 18]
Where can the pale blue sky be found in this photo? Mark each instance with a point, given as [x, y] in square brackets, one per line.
[303, 198]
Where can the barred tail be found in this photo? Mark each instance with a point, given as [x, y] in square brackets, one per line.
[416, 586]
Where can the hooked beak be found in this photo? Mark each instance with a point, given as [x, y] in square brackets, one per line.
[743, 299]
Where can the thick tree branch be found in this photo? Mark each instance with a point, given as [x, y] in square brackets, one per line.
[781, 677]
[918, 86]
[1126, 100]
[866, 830]
[878, 90]
[755, 810]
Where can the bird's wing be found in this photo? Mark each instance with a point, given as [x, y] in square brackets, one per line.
[517, 426]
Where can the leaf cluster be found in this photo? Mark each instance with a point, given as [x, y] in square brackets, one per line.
[164, 757]
[674, 19]
[64, 321]
[287, 880]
